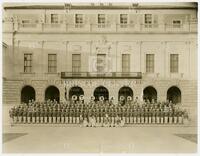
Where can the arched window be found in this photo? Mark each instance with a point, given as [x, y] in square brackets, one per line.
[101, 91]
[150, 93]
[52, 93]
[27, 93]
[75, 91]
[174, 94]
[125, 91]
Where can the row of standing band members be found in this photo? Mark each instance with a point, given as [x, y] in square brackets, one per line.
[75, 111]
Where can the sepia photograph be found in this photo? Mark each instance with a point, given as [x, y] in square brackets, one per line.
[99, 77]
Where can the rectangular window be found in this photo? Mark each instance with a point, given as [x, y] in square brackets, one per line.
[176, 23]
[79, 20]
[76, 63]
[52, 63]
[123, 20]
[101, 63]
[54, 18]
[149, 63]
[148, 20]
[174, 63]
[101, 20]
[125, 63]
[27, 63]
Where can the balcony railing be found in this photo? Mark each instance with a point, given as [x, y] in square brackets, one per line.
[66, 75]
[90, 28]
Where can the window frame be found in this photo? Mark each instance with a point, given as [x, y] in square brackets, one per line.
[101, 65]
[123, 25]
[176, 25]
[51, 18]
[77, 67]
[174, 66]
[128, 66]
[150, 69]
[30, 62]
[50, 66]
[101, 25]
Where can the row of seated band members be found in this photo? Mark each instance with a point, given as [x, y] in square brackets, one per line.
[51, 114]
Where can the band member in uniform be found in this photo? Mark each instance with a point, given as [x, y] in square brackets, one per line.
[150, 116]
[11, 114]
[157, 116]
[170, 116]
[45, 114]
[138, 115]
[134, 114]
[50, 115]
[15, 115]
[67, 115]
[161, 116]
[142, 115]
[106, 121]
[117, 121]
[180, 117]
[123, 115]
[146, 116]
[166, 116]
[62, 116]
[34, 116]
[41, 115]
[153, 116]
[24, 115]
[93, 121]
[29, 114]
[81, 120]
[58, 115]
[37, 116]
[54, 115]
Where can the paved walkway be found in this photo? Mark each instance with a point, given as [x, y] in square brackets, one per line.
[70, 139]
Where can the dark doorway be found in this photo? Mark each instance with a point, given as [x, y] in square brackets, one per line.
[52, 93]
[174, 94]
[150, 93]
[101, 91]
[75, 91]
[27, 93]
[125, 91]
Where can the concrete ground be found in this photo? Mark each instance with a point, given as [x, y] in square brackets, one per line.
[59, 138]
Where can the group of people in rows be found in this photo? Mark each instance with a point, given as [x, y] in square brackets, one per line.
[99, 113]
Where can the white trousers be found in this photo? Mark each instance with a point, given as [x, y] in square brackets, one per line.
[54, 119]
[41, 119]
[175, 119]
[142, 120]
[161, 120]
[150, 119]
[157, 119]
[146, 120]
[66, 119]
[139, 120]
[29, 119]
[20, 119]
[37, 119]
[170, 120]
[50, 119]
[166, 119]
[24, 119]
[153, 119]
[45, 119]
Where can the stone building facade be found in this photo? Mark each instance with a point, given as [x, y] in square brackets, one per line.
[146, 50]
